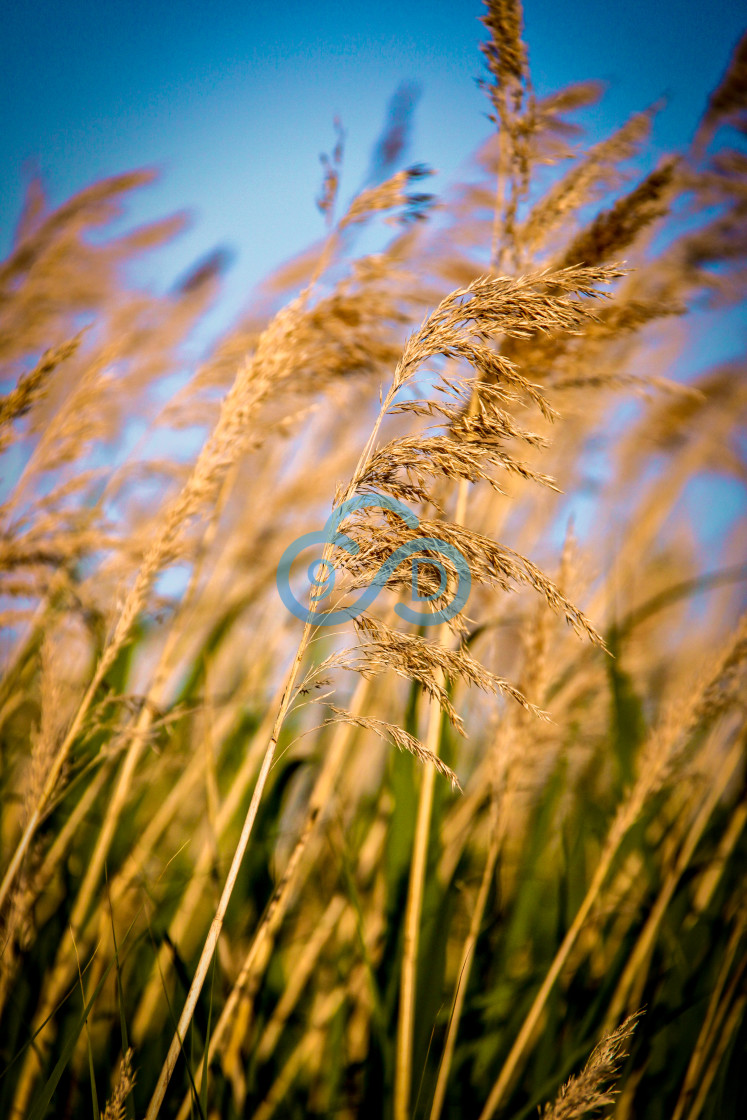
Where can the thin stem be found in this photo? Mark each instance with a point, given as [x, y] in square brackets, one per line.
[524, 1037]
[52, 778]
[149, 568]
[714, 1015]
[216, 925]
[728, 1032]
[262, 940]
[185, 917]
[496, 252]
[464, 972]
[630, 986]
[406, 1021]
[406, 1016]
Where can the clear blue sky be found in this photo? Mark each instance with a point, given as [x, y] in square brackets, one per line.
[234, 101]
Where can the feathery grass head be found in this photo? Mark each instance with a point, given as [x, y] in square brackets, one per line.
[590, 1090]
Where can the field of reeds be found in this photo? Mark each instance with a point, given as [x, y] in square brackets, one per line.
[415, 863]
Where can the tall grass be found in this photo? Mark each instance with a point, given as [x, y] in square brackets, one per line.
[256, 866]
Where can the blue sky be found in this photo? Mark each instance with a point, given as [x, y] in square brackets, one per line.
[233, 102]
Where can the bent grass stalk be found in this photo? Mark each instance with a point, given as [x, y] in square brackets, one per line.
[205, 483]
[465, 968]
[282, 897]
[211, 941]
[714, 1015]
[727, 1032]
[188, 905]
[132, 605]
[630, 986]
[203, 965]
[138, 740]
[656, 761]
[526, 1034]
